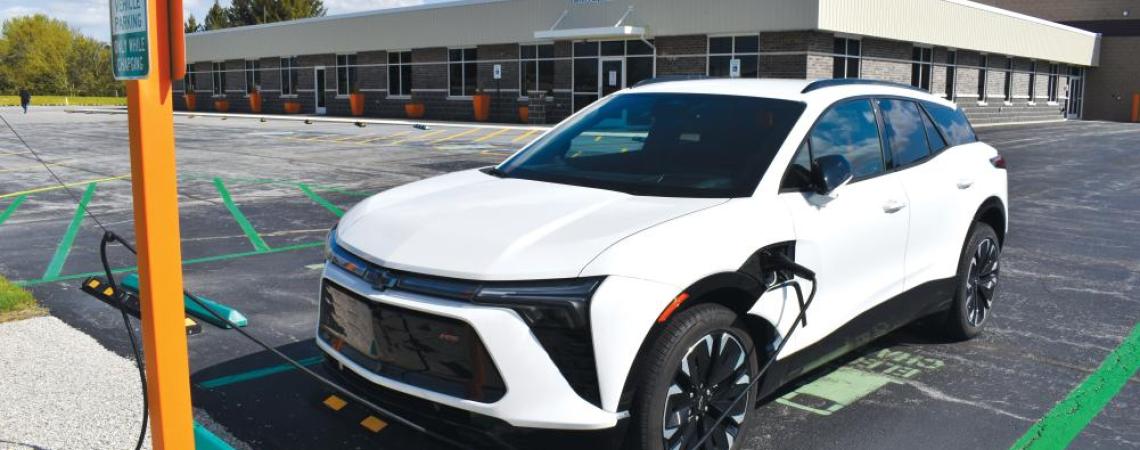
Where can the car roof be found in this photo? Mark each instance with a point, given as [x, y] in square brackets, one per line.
[784, 89]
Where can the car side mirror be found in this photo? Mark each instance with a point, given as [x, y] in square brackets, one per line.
[830, 172]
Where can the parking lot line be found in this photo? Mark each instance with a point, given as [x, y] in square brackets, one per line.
[32, 166]
[13, 153]
[188, 262]
[524, 135]
[56, 187]
[12, 208]
[64, 247]
[390, 136]
[491, 135]
[420, 137]
[459, 134]
[1070, 416]
[250, 232]
[321, 200]
[258, 373]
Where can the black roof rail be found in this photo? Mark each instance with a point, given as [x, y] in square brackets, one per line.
[668, 78]
[820, 84]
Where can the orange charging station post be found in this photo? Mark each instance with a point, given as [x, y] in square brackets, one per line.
[149, 51]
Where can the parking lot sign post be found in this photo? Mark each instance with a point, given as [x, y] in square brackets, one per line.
[147, 40]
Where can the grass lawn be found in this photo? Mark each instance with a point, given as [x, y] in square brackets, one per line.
[58, 100]
[16, 303]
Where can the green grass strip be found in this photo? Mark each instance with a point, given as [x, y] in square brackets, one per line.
[64, 248]
[254, 238]
[187, 262]
[12, 208]
[257, 373]
[321, 200]
[1070, 416]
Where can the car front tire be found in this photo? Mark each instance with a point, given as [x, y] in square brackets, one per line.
[694, 369]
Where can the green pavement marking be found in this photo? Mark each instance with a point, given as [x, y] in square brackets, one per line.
[187, 262]
[205, 440]
[254, 238]
[1063, 423]
[281, 182]
[257, 373]
[64, 247]
[12, 208]
[321, 200]
[858, 379]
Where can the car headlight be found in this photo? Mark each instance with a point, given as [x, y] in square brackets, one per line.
[339, 257]
[554, 303]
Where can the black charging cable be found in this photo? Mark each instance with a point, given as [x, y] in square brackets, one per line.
[111, 236]
[780, 262]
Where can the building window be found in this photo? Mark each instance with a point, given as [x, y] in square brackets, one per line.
[1009, 80]
[1033, 81]
[626, 64]
[190, 84]
[400, 74]
[723, 50]
[345, 74]
[289, 76]
[252, 76]
[982, 72]
[219, 78]
[585, 74]
[921, 68]
[462, 71]
[1053, 71]
[846, 62]
[537, 63]
[951, 73]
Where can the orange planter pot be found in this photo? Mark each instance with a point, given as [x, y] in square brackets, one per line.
[255, 102]
[356, 101]
[524, 114]
[221, 105]
[191, 101]
[482, 105]
[414, 110]
[292, 107]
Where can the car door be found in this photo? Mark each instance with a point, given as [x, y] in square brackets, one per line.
[855, 237]
[931, 178]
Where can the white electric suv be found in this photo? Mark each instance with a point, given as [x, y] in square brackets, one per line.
[636, 268]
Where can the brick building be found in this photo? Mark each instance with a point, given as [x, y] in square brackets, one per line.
[1110, 85]
[557, 56]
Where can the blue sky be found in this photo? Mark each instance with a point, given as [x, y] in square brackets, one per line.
[90, 16]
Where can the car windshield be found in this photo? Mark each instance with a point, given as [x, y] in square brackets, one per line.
[666, 145]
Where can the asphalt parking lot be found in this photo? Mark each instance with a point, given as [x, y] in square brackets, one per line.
[258, 198]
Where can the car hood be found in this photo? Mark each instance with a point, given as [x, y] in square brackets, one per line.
[475, 226]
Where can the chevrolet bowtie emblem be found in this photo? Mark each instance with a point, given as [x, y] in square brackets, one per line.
[384, 279]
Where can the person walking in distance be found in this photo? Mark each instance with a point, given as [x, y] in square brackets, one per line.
[25, 98]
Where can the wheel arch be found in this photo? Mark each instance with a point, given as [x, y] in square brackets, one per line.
[992, 212]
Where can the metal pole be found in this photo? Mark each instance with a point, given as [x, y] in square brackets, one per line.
[154, 185]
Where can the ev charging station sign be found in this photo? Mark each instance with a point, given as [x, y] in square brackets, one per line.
[129, 33]
[734, 68]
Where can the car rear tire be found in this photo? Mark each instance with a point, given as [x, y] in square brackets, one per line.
[694, 369]
[976, 283]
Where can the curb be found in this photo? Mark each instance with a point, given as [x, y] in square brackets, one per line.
[326, 119]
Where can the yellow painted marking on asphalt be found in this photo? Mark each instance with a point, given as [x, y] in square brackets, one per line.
[393, 135]
[13, 153]
[491, 135]
[33, 166]
[419, 137]
[373, 424]
[459, 134]
[345, 138]
[335, 403]
[57, 186]
[494, 153]
[524, 135]
[597, 138]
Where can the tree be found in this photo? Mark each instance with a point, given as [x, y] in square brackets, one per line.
[192, 25]
[253, 12]
[89, 68]
[34, 53]
[216, 17]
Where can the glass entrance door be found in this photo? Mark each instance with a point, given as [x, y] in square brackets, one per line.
[1076, 94]
[319, 89]
[612, 75]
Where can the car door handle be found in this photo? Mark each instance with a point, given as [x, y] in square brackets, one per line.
[893, 206]
[965, 183]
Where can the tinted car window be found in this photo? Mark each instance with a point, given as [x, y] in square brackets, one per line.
[850, 129]
[953, 124]
[933, 136]
[904, 131]
[669, 145]
[798, 176]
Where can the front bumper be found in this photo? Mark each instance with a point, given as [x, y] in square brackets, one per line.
[536, 393]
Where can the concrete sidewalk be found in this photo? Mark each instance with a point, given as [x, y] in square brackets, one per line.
[60, 389]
